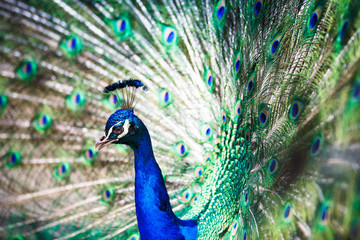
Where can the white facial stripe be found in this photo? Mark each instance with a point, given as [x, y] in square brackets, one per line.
[110, 130]
[126, 129]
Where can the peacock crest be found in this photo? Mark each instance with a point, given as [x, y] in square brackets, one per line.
[128, 90]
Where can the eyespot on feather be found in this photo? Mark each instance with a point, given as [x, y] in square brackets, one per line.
[27, 70]
[247, 136]
[71, 46]
[62, 170]
[238, 109]
[244, 235]
[223, 116]
[113, 99]
[134, 236]
[237, 63]
[287, 212]
[234, 227]
[207, 157]
[258, 6]
[165, 98]
[275, 46]
[181, 150]
[317, 145]
[220, 10]
[209, 80]
[250, 84]
[264, 115]
[3, 102]
[344, 29]
[89, 155]
[194, 199]
[186, 196]
[198, 172]
[75, 101]
[246, 198]
[13, 159]
[273, 166]
[121, 26]
[107, 195]
[42, 122]
[324, 214]
[206, 131]
[169, 36]
[314, 19]
[295, 110]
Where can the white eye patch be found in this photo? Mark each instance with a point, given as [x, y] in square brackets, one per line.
[110, 130]
[126, 129]
[125, 126]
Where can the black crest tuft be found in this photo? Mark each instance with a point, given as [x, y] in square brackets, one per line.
[128, 88]
[125, 83]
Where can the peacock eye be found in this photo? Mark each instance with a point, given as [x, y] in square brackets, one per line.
[287, 212]
[135, 236]
[257, 8]
[237, 63]
[118, 130]
[273, 166]
[264, 114]
[344, 29]
[220, 10]
[121, 25]
[325, 214]
[234, 228]
[169, 36]
[71, 43]
[251, 84]
[275, 46]
[314, 19]
[71, 46]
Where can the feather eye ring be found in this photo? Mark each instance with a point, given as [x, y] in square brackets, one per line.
[128, 88]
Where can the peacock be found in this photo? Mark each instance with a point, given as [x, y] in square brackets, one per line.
[217, 119]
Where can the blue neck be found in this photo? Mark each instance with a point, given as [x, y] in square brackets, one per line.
[156, 219]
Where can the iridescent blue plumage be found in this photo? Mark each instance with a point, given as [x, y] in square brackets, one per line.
[155, 217]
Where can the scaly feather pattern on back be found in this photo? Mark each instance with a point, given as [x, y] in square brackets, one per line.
[253, 111]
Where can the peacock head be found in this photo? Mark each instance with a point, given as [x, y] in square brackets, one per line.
[122, 127]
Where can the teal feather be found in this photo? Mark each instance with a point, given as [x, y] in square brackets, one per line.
[253, 112]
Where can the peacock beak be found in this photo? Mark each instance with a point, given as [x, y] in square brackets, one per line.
[103, 143]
